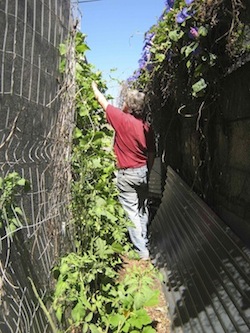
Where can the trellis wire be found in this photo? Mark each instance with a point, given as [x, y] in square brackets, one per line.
[36, 123]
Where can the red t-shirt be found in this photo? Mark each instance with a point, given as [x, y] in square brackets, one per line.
[133, 138]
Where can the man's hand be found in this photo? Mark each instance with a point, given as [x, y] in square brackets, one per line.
[101, 99]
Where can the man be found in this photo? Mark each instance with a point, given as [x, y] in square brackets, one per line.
[134, 149]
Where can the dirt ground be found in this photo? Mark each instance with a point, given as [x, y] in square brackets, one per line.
[159, 312]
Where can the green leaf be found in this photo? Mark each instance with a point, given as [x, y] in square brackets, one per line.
[79, 67]
[77, 133]
[116, 320]
[62, 49]
[59, 313]
[160, 57]
[19, 211]
[96, 163]
[138, 301]
[102, 250]
[62, 66]
[188, 49]
[21, 182]
[84, 301]
[84, 111]
[100, 201]
[188, 64]
[110, 216]
[82, 48]
[94, 328]
[78, 312]
[152, 298]
[16, 222]
[11, 228]
[202, 31]
[117, 247]
[148, 329]
[64, 268]
[85, 328]
[212, 59]
[140, 319]
[126, 327]
[175, 35]
[198, 86]
[61, 287]
[89, 317]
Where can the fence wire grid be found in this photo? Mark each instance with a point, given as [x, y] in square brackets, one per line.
[36, 123]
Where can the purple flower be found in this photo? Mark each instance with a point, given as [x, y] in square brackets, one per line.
[188, 2]
[142, 63]
[169, 5]
[134, 77]
[182, 15]
[149, 36]
[193, 33]
[146, 55]
[161, 17]
[148, 40]
[149, 67]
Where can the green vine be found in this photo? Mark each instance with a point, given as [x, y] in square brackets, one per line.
[87, 295]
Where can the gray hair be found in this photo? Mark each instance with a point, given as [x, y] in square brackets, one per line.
[134, 100]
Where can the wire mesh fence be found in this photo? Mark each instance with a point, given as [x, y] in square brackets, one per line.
[36, 122]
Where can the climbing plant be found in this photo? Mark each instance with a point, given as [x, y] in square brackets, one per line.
[194, 42]
[88, 296]
[95, 208]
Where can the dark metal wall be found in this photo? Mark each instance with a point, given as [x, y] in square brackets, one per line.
[206, 267]
[209, 145]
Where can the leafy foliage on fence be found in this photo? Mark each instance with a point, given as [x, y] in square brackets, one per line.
[88, 296]
[192, 45]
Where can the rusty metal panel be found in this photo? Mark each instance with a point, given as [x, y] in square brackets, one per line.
[206, 267]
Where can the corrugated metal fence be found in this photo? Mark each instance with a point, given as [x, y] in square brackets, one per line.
[206, 267]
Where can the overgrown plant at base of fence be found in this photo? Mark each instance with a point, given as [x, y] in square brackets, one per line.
[11, 214]
[88, 296]
[11, 221]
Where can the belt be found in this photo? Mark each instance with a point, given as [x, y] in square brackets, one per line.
[135, 168]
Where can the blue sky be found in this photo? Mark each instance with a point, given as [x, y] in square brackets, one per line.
[115, 33]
